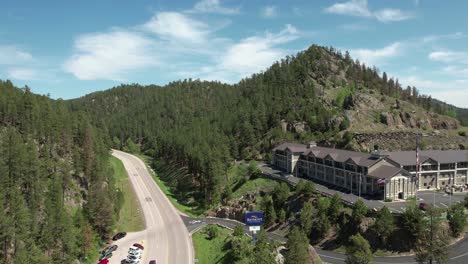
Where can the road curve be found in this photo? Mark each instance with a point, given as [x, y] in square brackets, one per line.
[165, 238]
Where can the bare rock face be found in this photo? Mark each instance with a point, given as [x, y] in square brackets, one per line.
[408, 119]
[299, 127]
[398, 122]
[444, 123]
[387, 118]
[366, 102]
[335, 121]
[284, 125]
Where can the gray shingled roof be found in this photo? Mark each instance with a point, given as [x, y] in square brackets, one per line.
[294, 147]
[385, 171]
[442, 156]
[340, 155]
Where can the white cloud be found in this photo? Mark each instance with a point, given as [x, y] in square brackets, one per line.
[269, 11]
[377, 56]
[359, 8]
[350, 8]
[451, 36]
[453, 91]
[109, 55]
[213, 6]
[456, 71]
[24, 74]
[390, 15]
[11, 55]
[252, 55]
[449, 56]
[178, 27]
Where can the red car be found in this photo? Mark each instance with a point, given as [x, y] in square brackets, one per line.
[138, 246]
[424, 206]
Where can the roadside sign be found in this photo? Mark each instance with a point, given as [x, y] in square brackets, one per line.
[254, 228]
[254, 218]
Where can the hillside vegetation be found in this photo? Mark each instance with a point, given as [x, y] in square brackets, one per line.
[56, 189]
[319, 94]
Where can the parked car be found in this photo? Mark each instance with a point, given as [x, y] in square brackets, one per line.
[424, 206]
[135, 261]
[138, 246]
[134, 250]
[119, 236]
[106, 256]
[152, 262]
[108, 249]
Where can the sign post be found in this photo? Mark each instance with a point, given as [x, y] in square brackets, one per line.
[254, 220]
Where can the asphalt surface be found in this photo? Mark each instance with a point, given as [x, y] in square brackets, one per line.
[165, 238]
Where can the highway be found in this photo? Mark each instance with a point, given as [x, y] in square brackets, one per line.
[165, 238]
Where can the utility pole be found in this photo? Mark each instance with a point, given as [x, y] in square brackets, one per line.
[360, 180]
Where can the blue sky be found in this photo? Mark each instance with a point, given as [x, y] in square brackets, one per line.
[70, 48]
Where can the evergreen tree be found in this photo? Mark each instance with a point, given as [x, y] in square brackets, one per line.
[335, 209]
[298, 247]
[282, 215]
[457, 219]
[384, 225]
[280, 195]
[413, 222]
[263, 251]
[359, 212]
[306, 217]
[358, 251]
[433, 242]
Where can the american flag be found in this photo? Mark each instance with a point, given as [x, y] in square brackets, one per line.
[417, 159]
[381, 181]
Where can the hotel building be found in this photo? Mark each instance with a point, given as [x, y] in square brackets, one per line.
[384, 175]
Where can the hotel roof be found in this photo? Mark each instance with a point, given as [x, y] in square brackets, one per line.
[442, 156]
[367, 159]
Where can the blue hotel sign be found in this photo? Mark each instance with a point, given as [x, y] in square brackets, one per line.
[254, 218]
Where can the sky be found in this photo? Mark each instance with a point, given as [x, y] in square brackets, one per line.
[70, 48]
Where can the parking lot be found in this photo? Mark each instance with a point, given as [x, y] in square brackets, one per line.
[437, 199]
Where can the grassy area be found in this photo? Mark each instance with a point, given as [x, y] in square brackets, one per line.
[210, 251]
[254, 185]
[188, 210]
[130, 216]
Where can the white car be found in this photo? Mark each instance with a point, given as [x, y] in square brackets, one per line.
[135, 250]
[136, 261]
[133, 257]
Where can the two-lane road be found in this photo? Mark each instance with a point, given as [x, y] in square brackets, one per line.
[165, 238]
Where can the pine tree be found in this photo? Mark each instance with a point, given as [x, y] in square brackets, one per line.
[298, 247]
[306, 217]
[457, 219]
[358, 251]
[263, 251]
[384, 224]
[433, 242]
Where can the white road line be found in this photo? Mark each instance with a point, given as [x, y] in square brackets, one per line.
[459, 256]
[326, 256]
[444, 205]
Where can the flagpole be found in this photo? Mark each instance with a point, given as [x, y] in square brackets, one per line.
[417, 168]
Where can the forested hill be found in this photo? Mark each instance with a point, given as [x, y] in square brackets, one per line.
[56, 190]
[319, 94]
